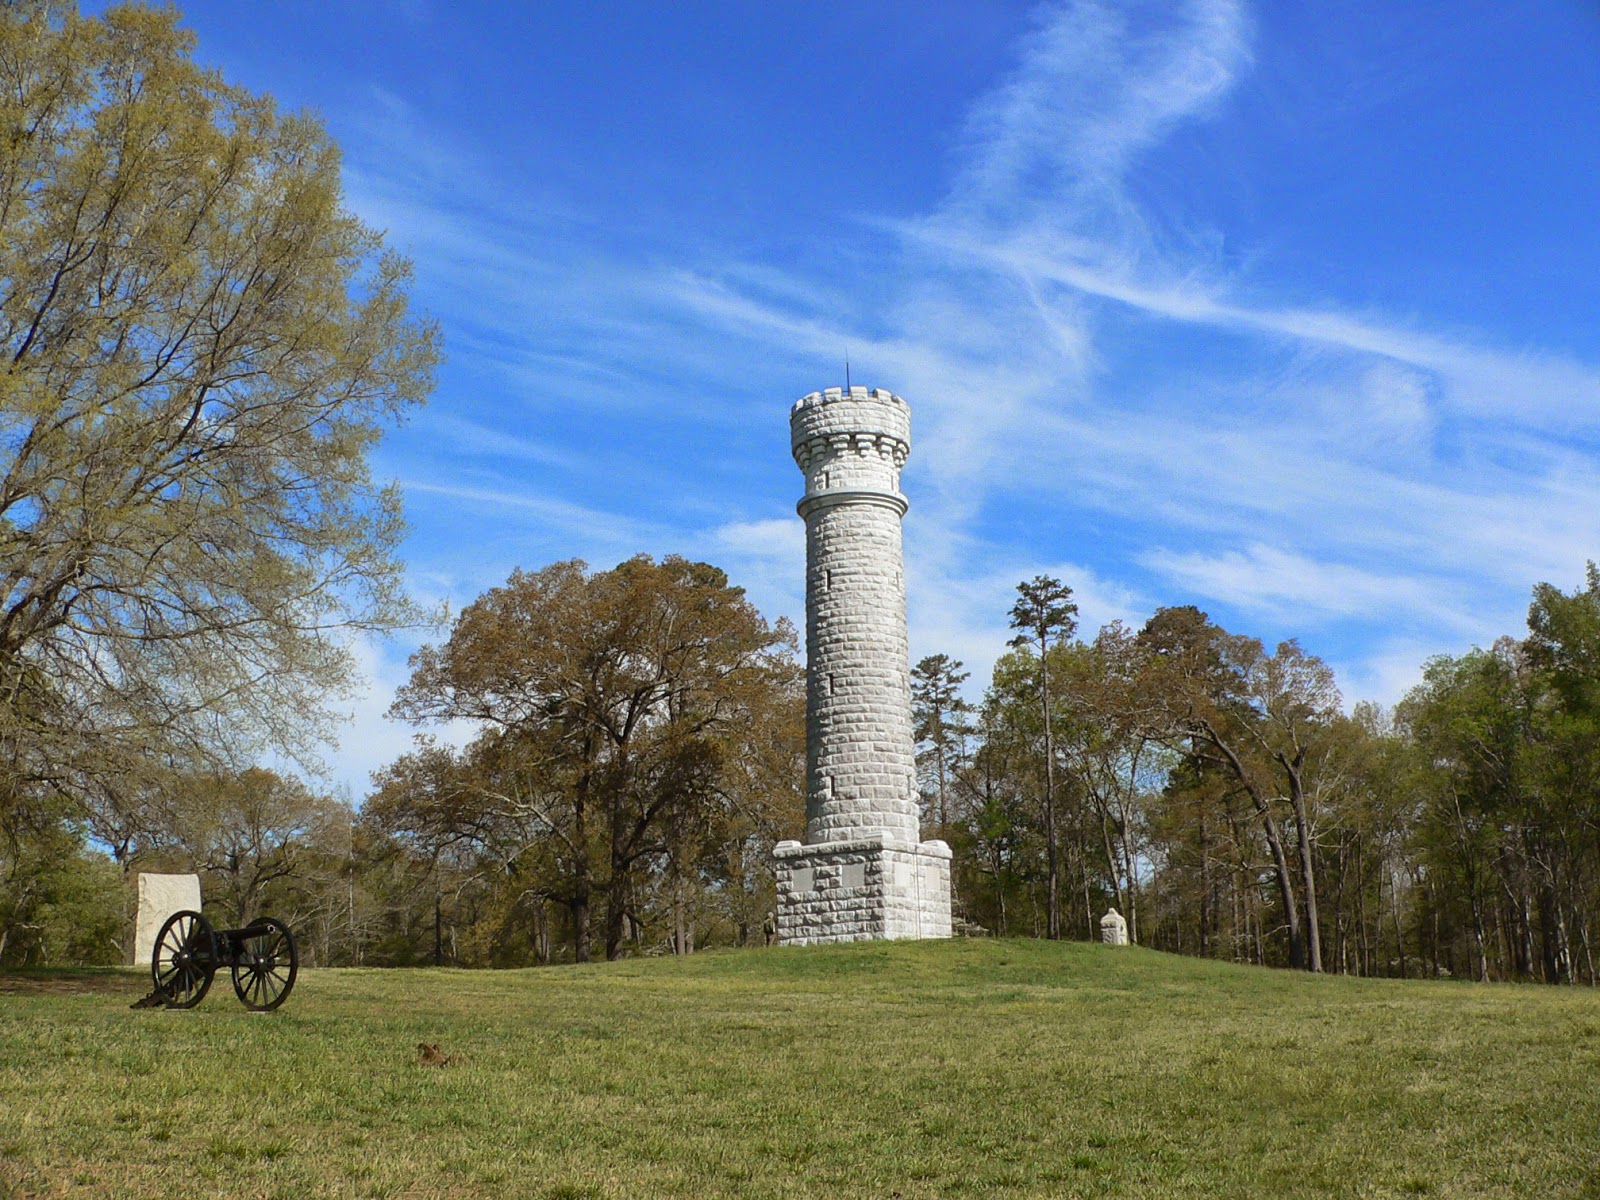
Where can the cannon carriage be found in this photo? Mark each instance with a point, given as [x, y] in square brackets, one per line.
[188, 952]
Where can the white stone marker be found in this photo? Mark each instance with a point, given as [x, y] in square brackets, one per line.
[159, 897]
[863, 871]
[1113, 929]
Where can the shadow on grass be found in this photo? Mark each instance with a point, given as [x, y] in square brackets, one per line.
[73, 981]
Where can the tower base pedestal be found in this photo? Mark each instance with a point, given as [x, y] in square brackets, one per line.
[862, 890]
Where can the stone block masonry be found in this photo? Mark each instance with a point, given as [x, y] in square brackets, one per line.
[862, 871]
[851, 891]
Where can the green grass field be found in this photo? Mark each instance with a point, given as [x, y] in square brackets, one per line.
[971, 1068]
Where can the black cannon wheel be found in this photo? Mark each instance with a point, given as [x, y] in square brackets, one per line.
[182, 963]
[264, 971]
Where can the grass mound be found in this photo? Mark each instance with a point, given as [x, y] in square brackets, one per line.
[976, 1068]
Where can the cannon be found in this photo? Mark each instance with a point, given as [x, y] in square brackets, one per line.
[261, 956]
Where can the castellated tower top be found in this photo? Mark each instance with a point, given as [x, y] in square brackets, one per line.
[851, 443]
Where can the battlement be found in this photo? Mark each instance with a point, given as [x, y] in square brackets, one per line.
[859, 421]
[830, 395]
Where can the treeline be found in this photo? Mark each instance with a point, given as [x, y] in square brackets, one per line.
[1215, 792]
[640, 748]
[261, 842]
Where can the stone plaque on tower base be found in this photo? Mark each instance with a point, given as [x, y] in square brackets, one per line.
[860, 890]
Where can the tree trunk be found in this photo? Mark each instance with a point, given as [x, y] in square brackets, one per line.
[1238, 944]
[1525, 933]
[616, 911]
[617, 888]
[1088, 904]
[1053, 911]
[1132, 883]
[1205, 915]
[997, 861]
[1433, 923]
[1582, 921]
[1479, 934]
[1112, 864]
[1341, 922]
[682, 935]
[1280, 859]
[1259, 943]
[1399, 934]
[582, 943]
[1364, 956]
[1308, 874]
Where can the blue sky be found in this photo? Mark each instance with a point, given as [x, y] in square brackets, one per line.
[1287, 311]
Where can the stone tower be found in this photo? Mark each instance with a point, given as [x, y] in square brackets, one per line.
[862, 871]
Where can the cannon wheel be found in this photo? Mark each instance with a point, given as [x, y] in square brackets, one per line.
[182, 963]
[267, 962]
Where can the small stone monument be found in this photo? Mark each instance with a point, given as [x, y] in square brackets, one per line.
[863, 871]
[159, 897]
[1113, 929]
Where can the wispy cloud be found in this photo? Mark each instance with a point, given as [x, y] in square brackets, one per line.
[1504, 386]
[474, 439]
[1295, 589]
[782, 540]
[595, 527]
[1097, 85]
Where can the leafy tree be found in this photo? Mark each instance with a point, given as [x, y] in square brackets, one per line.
[1046, 613]
[1204, 897]
[1563, 659]
[200, 347]
[1564, 640]
[941, 721]
[1295, 703]
[1512, 735]
[60, 902]
[1214, 690]
[248, 831]
[617, 711]
[1462, 829]
[1469, 721]
[491, 822]
[999, 786]
[1109, 750]
[1369, 872]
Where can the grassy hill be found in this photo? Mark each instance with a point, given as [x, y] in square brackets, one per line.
[971, 1068]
